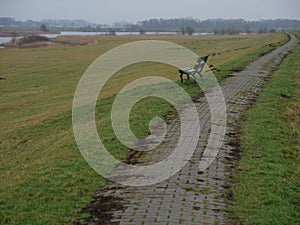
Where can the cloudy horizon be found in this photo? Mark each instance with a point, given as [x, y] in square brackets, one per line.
[109, 12]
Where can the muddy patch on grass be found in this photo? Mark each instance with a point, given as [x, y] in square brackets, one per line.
[284, 95]
[100, 210]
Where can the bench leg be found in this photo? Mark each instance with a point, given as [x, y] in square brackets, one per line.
[181, 76]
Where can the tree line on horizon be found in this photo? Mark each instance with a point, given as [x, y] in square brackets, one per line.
[180, 25]
[221, 25]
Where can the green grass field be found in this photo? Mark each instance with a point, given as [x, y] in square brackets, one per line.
[44, 179]
[267, 184]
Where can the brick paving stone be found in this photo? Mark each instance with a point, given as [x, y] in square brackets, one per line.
[190, 197]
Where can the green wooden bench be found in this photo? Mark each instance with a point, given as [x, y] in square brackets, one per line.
[197, 69]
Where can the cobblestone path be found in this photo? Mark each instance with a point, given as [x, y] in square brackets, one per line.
[190, 196]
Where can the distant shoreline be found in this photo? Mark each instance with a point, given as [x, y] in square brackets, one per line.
[20, 33]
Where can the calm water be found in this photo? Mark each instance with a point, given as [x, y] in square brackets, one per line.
[78, 33]
[5, 39]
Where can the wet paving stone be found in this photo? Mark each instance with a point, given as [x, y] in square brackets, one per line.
[192, 197]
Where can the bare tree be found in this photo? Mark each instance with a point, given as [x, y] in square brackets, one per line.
[43, 28]
[189, 30]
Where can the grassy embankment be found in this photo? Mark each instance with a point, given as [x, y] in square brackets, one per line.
[267, 185]
[44, 179]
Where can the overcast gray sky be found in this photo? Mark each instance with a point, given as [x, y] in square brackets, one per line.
[109, 11]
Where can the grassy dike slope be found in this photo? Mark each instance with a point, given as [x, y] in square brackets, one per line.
[267, 188]
[44, 179]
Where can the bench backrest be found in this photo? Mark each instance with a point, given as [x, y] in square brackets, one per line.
[200, 64]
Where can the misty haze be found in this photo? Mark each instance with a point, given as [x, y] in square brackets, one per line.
[149, 112]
